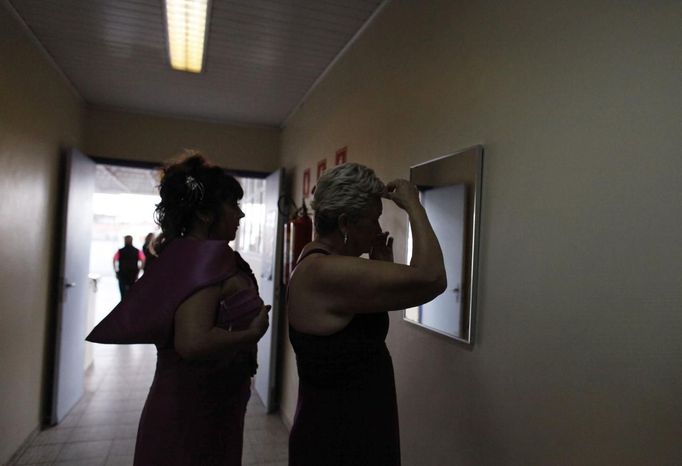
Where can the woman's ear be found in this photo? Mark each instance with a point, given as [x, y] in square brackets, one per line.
[342, 223]
[204, 217]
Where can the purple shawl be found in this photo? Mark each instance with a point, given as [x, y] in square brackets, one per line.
[147, 313]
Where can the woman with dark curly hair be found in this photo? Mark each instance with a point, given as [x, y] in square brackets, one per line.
[199, 305]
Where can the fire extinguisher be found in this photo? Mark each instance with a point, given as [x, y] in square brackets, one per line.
[301, 233]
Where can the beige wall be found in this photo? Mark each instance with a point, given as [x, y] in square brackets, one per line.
[124, 135]
[38, 115]
[578, 105]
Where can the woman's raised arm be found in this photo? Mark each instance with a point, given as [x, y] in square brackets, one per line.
[343, 284]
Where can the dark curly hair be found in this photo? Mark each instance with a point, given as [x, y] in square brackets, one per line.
[188, 187]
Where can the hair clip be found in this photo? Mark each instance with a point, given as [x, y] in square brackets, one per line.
[195, 188]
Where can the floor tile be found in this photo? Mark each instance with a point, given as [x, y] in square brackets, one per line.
[97, 432]
[119, 461]
[102, 428]
[40, 454]
[82, 462]
[52, 435]
[123, 447]
[95, 418]
[85, 450]
[126, 431]
[72, 419]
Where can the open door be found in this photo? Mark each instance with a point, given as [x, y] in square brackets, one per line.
[72, 296]
[270, 290]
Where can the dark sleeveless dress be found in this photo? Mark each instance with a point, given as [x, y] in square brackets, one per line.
[347, 413]
[194, 413]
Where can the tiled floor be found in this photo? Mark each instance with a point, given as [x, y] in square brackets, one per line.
[101, 429]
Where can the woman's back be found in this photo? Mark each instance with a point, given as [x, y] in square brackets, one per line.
[342, 357]
[347, 412]
[338, 307]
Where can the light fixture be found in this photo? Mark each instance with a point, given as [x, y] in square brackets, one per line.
[186, 24]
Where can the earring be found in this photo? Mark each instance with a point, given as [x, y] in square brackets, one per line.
[345, 238]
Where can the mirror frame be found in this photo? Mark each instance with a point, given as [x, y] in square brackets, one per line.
[471, 246]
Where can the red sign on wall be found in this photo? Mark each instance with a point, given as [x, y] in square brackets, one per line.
[341, 155]
[321, 168]
[306, 182]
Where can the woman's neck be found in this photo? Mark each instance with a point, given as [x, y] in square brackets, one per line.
[198, 231]
[333, 243]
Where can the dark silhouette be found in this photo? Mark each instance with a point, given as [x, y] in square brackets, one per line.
[148, 250]
[338, 307]
[128, 261]
[199, 305]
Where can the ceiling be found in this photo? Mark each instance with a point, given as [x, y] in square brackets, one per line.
[122, 179]
[116, 179]
[262, 56]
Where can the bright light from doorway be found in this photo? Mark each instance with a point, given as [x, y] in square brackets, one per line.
[186, 23]
[117, 215]
[126, 208]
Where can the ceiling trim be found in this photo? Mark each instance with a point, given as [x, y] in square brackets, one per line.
[329, 67]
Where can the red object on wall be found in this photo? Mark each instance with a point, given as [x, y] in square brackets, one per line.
[286, 260]
[306, 182]
[341, 155]
[301, 234]
[321, 167]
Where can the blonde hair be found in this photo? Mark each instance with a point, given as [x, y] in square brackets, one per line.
[347, 188]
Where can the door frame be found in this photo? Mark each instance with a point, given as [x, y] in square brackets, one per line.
[58, 257]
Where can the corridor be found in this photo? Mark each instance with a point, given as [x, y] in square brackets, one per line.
[101, 429]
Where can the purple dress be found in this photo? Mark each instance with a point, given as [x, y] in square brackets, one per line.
[194, 413]
[347, 413]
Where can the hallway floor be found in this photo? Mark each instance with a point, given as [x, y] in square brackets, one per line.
[101, 429]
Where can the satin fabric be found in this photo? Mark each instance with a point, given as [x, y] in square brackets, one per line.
[194, 413]
[347, 413]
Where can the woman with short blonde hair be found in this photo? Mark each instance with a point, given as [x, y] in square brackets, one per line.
[338, 306]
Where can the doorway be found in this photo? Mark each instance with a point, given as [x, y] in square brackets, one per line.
[124, 201]
[121, 198]
[123, 204]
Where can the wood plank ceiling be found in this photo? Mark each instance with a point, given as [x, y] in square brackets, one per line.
[262, 56]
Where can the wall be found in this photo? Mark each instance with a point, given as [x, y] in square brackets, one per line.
[578, 105]
[39, 113]
[124, 135]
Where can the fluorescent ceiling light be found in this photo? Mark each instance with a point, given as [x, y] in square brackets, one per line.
[186, 23]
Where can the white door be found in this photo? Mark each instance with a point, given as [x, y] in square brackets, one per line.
[270, 290]
[72, 299]
[446, 209]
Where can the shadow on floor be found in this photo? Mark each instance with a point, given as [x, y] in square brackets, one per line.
[101, 428]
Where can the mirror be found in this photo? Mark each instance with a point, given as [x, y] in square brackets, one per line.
[450, 191]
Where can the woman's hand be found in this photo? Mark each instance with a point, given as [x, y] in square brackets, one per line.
[382, 248]
[403, 193]
[259, 325]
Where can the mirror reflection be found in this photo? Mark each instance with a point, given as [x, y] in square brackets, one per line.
[450, 188]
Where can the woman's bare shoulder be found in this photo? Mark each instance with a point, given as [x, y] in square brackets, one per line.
[308, 308]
